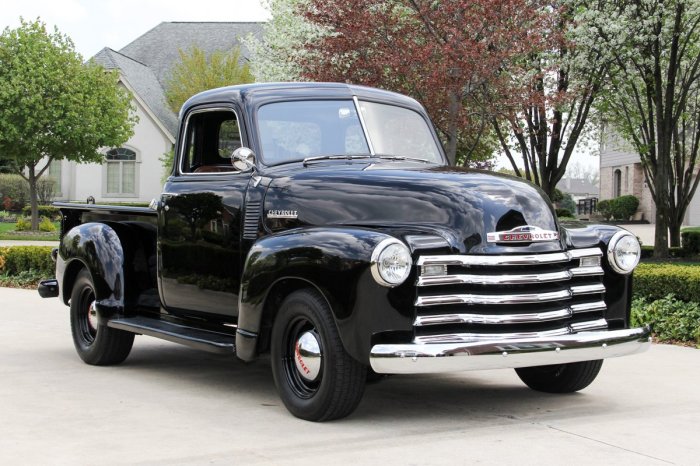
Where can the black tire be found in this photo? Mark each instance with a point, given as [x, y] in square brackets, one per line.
[338, 380]
[560, 378]
[95, 343]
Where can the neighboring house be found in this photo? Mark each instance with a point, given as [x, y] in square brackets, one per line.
[133, 172]
[621, 174]
[578, 188]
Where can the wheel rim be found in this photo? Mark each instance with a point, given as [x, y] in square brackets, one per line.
[87, 316]
[303, 358]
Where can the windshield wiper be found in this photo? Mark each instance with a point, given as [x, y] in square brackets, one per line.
[401, 157]
[308, 160]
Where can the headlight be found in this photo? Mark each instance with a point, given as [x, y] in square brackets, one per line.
[624, 252]
[391, 262]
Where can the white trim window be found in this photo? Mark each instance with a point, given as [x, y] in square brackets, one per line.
[121, 173]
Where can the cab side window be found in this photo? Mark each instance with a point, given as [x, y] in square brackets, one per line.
[211, 137]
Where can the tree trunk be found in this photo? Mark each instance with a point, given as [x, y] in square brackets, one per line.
[661, 201]
[674, 230]
[453, 128]
[33, 198]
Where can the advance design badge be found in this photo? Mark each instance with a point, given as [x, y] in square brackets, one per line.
[523, 234]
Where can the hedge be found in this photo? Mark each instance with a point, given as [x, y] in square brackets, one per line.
[691, 242]
[648, 252]
[17, 259]
[656, 281]
[44, 211]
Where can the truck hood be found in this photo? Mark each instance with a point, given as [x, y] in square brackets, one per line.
[459, 204]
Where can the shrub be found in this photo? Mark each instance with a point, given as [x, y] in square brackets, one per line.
[46, 225]
[619, 208]
[26, 279]
[671, 319]
[567, 202]
[624, 207]
[564, 213]
[654, 281]
[691, 242]
[44, 211]
[14, 191]
[23, 224]
[18, 259]
[604, 209]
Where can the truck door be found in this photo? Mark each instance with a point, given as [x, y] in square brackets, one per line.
[199, 234]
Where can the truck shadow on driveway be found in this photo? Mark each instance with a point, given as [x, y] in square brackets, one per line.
[487, 396]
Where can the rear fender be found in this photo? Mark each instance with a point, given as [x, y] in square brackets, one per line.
[97, 247]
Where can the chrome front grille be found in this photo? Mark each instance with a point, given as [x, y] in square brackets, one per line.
[474, 298]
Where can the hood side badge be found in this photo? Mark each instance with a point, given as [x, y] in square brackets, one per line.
[293, 214]
[522, 234]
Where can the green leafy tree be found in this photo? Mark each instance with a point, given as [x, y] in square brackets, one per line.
[197, 72]
[559, 82]
[277, 55]
[53, 106]
[654, 99]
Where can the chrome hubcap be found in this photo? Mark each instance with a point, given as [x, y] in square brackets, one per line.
[92, 316]
[307, 356]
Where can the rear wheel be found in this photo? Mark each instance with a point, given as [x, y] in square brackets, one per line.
[560, 378]
[95, 343]
[316, 379]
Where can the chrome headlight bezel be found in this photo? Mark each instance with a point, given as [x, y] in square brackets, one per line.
[379, 272]
[613, 248]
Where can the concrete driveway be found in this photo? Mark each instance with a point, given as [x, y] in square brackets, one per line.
[172, 405]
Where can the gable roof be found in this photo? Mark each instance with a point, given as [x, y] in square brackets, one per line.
[146, 62]
[142, 81]
[159, 48]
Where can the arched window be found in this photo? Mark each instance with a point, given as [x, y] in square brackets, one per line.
[617, 183]
[121, 172]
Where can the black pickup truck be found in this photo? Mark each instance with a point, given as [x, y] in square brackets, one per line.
[322, 225]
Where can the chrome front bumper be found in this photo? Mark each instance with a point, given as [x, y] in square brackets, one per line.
[421, 358]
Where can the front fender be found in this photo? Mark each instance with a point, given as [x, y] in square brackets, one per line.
[336, 261]
[618, 288]
[97, 247]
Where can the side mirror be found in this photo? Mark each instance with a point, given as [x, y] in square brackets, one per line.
[243, 159]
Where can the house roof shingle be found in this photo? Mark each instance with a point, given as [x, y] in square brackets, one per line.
[145, 63]
[578, 187]
[143, 81]
[159, 48]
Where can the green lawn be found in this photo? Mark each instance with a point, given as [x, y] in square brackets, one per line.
[7, 232]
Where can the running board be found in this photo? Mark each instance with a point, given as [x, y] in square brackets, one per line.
[213, 342]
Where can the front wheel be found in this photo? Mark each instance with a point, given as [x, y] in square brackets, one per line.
[560, 378]
[95, 343]
[316, 379]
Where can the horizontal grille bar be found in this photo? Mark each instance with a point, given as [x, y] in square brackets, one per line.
[469, 318]
[529, 259]
[510, 279]
[600, 324]
[499, 319]
[523, 298]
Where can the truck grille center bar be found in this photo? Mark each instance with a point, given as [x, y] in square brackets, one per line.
[487, 312]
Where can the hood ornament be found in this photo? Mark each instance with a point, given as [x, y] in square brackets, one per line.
[522, 234]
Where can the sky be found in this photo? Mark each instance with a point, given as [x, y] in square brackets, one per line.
[95, 24]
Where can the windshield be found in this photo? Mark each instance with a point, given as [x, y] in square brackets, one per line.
[294, 131]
